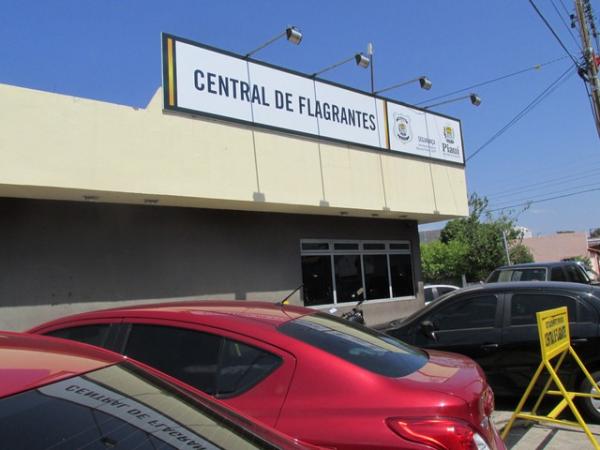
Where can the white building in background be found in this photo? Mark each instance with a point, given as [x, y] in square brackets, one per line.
[526, 232]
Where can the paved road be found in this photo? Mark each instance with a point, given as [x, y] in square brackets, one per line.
[528, 436]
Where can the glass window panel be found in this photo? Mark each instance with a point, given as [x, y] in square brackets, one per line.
[189, 355]
[243, 366]
[475, 312]
[557, 274]
[356, 344]
[377, 246]
[317, 280]
[524, 306]
[377, 282]
[345, 246]
[89, 334]
[397, 246]
[575, 275]
[315, 246]
[401, 271]
[348, 278]
[58, 417]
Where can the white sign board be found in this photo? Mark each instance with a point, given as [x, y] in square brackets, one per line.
[202, 80]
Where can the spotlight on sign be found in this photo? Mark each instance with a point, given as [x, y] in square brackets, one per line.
[424, 82]
[360, 59]
[473, 98]
[292, 34]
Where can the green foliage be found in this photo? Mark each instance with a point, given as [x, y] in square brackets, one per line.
[443, 262]
[520, 254]
[473, 245]
[595, 233]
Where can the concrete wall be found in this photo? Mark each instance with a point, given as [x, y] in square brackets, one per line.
[65, 148]
[555, 247]
[61, 257]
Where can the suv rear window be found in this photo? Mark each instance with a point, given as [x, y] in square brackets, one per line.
[533, 274]
[356, 344]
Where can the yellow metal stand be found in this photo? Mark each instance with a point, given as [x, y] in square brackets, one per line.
[555, 342]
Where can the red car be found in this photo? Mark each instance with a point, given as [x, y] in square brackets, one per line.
[310, 375]
[62, 395]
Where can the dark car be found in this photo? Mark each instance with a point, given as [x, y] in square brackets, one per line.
[495, 324]
[570, 271]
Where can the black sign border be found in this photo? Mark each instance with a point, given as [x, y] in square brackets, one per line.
[166, 106]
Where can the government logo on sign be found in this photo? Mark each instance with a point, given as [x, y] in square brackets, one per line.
[449, 134]
[402, 128]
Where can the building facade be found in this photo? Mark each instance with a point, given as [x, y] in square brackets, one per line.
[103, 204]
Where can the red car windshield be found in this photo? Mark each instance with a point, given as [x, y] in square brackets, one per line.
[116, 407]
[366, 348]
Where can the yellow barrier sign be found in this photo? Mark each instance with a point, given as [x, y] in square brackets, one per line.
[555, 342]
[553, 326]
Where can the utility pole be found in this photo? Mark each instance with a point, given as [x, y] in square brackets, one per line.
[589, 70]
[506, 248]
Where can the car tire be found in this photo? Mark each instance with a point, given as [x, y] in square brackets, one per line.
[590, 407]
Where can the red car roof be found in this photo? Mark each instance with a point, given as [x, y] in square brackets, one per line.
[27, 362]
[224, 313]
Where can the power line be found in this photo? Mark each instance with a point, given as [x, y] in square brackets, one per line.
[571, 194]
[536, 101]
[536, 196]
[535, 186]
[554, 33]
[549, 173]
[500, 78]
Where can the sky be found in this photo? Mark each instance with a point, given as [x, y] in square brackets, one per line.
[110, 50]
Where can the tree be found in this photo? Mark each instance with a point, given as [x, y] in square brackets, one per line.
[520, 254]
[443, 262]
[478, 240]
[595, 233]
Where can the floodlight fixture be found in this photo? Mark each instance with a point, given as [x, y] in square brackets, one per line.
[473, 98]
[360, 59]
[292, 34]
[424, 82]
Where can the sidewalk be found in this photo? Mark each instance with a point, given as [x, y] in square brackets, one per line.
[526, 435]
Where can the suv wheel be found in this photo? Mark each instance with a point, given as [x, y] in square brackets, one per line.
[590, 407]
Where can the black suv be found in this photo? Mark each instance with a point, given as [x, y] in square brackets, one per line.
[569, 271]
[495, 324]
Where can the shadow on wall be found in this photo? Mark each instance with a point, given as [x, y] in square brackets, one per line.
[67, 252]
[57, 252]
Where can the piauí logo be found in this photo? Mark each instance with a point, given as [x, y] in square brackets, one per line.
[449, 134]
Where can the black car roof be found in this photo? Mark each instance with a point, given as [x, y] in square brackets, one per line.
[538, 264]
[528, 285]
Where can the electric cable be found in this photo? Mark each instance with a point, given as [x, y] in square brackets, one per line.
[493, 80]
[535, 186]
[565, 24]
[536, 101]
[542, 195]
[545, 199]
